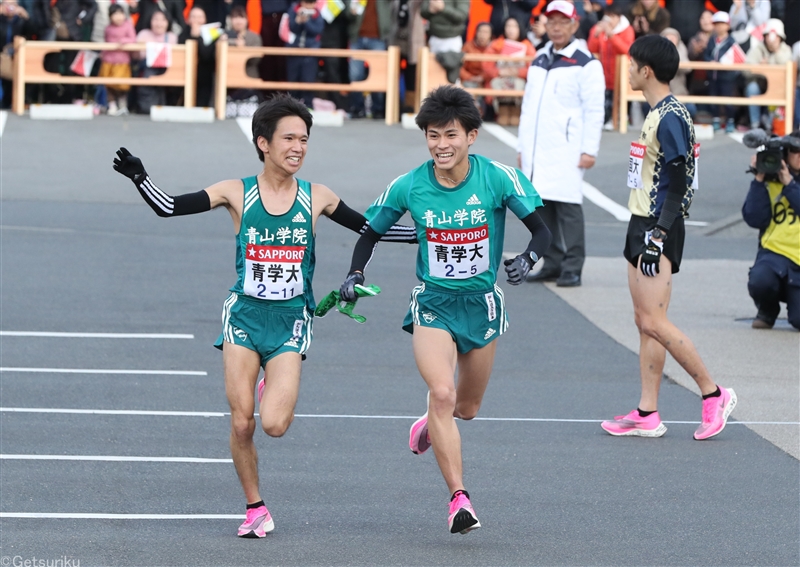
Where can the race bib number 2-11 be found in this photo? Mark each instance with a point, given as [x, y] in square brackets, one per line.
[458, 254]
[274, 272]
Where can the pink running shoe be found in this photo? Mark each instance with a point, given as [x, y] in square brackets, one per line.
[715, 414]
[261, 385]
[258, 523]
[635, 425]
[418, 439]
[462, 518]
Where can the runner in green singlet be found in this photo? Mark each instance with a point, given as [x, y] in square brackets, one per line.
[266, 321]
[458, 203]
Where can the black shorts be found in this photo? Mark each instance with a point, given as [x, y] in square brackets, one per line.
[673, 245]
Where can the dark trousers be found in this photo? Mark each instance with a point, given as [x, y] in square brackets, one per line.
[721, 87]
[272, 67]
[773, 279]
[302, 70]
[567, 251]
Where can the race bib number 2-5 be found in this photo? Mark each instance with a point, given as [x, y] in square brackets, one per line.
[635, 163]
[274, 272]
[458, 254]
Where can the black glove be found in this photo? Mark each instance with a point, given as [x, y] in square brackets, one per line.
[348, 290]
[130, 166]
[651, 257]
[518, 268]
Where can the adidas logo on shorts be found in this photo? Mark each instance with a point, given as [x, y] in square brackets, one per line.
[488, 334]
[299, 218]
[291, 343]
[474, 200]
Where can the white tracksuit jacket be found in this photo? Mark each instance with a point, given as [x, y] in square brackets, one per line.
[562, 118]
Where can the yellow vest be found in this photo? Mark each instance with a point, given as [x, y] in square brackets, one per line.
[782, 236]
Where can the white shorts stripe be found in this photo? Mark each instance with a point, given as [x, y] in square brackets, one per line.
[502, 308]
[415, 304]
[227, 330]
[304, 346]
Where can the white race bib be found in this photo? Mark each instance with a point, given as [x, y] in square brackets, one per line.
[458, 254]
[635, 163]
[274, 272]
[695, 181]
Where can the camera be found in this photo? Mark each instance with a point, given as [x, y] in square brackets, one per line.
[768, 160]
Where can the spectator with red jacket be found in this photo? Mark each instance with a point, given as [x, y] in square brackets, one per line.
[610, 37]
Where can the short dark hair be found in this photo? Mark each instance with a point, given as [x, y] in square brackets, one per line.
[449, 104]
[238, 12]
[658, 53]
[270, 112]
[114, 8]
[612, 10]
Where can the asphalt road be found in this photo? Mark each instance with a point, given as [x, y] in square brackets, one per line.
[80, 252]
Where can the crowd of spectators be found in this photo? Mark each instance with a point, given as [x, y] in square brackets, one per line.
[732, 31]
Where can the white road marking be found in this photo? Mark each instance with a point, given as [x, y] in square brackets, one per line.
[94, 335]
[156, 413]
[78, 516]
[246, 126]
[591, 192]
[112, 458]
[102, 371]
[3, 118]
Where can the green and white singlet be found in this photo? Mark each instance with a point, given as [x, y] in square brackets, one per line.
[275, 253]
[460, 229]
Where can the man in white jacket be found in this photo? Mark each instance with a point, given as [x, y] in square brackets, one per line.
[559, 137]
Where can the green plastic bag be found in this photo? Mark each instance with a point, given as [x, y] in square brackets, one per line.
[334, 300]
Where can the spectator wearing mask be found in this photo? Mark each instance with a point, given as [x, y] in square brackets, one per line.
[306, 24]
[117, 63]
[172, 9]
[372, 31]
[722, 83]
[520, 10]
[206, 55]
[772, 51]
[158, 32]
[610, 38]
[647, 17]
[559, 138]
[699, 42]
[678, 86]
[508, 75]
[772, 208]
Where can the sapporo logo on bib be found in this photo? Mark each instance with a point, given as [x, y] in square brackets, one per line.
[274, 272]
[458, 253]
[635, 163]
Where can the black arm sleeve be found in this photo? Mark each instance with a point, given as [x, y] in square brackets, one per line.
[540, 234]
[671, 209]
[355, 221]
[168, 206]
[362, 253]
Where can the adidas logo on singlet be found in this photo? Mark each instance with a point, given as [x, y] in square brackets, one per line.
[473, 200]
[299, 218]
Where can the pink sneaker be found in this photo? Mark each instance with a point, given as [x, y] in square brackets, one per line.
[715, 414]
[261, 385]
[462, 518]
[418, 439]
[258, 523]
[635, 425]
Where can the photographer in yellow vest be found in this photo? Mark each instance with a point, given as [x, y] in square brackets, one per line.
[772, 207]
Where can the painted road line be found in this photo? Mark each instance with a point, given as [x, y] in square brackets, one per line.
[110, 458]
[103, 371]
[156, 413]
[94, 335]
[3, 118]
[591, 192]
[246, 126]
[79, 516]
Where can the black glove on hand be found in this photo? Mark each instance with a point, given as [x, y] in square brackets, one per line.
[130, 166]
[518, 268]
[651, 257]
[348, 290]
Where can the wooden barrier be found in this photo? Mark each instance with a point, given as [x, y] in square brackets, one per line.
[384, 73]
[29, 68]
[781, 81]
[430, 74]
